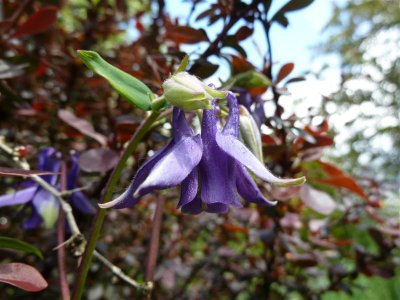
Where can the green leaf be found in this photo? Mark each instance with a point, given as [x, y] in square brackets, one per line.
[15, 244]
[182, 67]
[251, 79]
[129, 87]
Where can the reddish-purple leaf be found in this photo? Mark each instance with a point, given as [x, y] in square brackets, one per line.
[319, 201]
[295, 79]
[22, 276]
[81, 125]
[4, 171]
[346, 182]
[295, 5]
[291, 220]
[243, 33]
[311, 154]
[284, 72]
[330, 169]
[40, 21]
[284, 193]
[205, 14]
[241, 65]
[5, 25]
[305, 260]
[203, 68]
[98, 160]
[288, 7]
[186, 35]
[281, 19]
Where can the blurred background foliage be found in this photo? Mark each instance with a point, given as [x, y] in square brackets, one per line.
[335, 238]
[365, 35]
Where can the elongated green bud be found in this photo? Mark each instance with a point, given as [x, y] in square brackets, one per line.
[250, 133]
[129, 87]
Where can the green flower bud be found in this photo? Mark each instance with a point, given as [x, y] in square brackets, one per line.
[189, 93]
[249, 133]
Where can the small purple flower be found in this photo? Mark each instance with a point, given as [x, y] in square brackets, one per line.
[211, 169]
[254, 104]
[45, 206]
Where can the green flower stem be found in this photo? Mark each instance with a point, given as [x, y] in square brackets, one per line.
[108, 193]
[158, 103]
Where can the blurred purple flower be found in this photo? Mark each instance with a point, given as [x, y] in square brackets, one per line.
[211, 169]
[247, 100]
[45, 207]
[77, 198]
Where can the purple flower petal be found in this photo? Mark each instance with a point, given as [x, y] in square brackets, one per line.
[193, 207]
[33, 221]
[44, 154]
[174, 166]
[73, 172]
[248, 189]
[47, 206]
[189, 188]
[216, 168]
[217, 208]
[244, 97]
[182, 136]
[82, 203]
[259, 114]
[180, 125]
[238, 151]
[126, 199]
[49, 161]
[20, 197]
[232, 123]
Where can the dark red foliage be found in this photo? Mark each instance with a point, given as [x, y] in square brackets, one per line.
[49, 98]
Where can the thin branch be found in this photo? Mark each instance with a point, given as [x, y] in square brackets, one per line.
[65, 292]
[146, 286]
[213, 48]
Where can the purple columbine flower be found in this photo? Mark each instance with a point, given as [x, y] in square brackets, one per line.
[44, 205]
[211, 170]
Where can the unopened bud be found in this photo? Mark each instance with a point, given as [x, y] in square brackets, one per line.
[250, 133]
[189, 93]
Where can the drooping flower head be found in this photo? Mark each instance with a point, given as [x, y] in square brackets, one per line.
[211, 169]
[45, 207]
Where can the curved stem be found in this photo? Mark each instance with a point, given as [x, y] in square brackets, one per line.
[107, 195]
